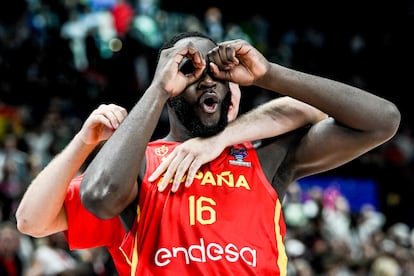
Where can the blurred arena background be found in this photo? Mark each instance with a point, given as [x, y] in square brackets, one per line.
[60, 58]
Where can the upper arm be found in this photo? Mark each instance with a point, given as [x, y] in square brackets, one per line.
[328, 145]
[311, 150]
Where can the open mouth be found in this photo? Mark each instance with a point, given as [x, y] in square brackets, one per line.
[209, 102]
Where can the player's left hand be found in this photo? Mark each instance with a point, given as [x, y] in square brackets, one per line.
[185, 160]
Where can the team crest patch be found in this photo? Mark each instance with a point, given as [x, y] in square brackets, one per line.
[161, 151]
[239, 154]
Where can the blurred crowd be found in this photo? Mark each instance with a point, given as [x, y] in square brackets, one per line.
[60, 59]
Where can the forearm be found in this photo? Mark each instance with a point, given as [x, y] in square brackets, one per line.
[109, 184]
[349, 105]
[41, 210]
[267, 120]
[273, 118]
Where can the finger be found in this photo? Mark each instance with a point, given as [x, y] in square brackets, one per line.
[119, 114]
[228, 56]
[112, 119]
[110, 115]
[222, 50]
[230, 53]
[180, 172]
[170, 171]
[192, 170]
[160, 170]
[99, 117]
[214, 57]
[166, 179]
[105, 120]
[216, 71]
[225, 57]
[196, 74]
[198, 61]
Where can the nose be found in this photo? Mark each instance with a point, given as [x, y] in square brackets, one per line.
[207, 80]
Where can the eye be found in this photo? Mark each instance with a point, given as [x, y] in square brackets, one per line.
[187, 67]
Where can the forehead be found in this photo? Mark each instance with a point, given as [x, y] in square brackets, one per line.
[201, 44]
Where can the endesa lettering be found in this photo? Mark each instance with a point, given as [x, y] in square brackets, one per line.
[202, 253]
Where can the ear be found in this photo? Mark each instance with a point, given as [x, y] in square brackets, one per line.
[235, 101]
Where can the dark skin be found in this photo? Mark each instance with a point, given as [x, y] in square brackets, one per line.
[358, 121]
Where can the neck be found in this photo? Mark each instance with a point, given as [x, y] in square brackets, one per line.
[177, 136]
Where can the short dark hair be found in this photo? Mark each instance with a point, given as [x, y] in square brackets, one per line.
[177, 37]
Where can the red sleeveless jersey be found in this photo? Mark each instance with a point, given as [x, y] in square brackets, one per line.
[228, 222]
[87, 231]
